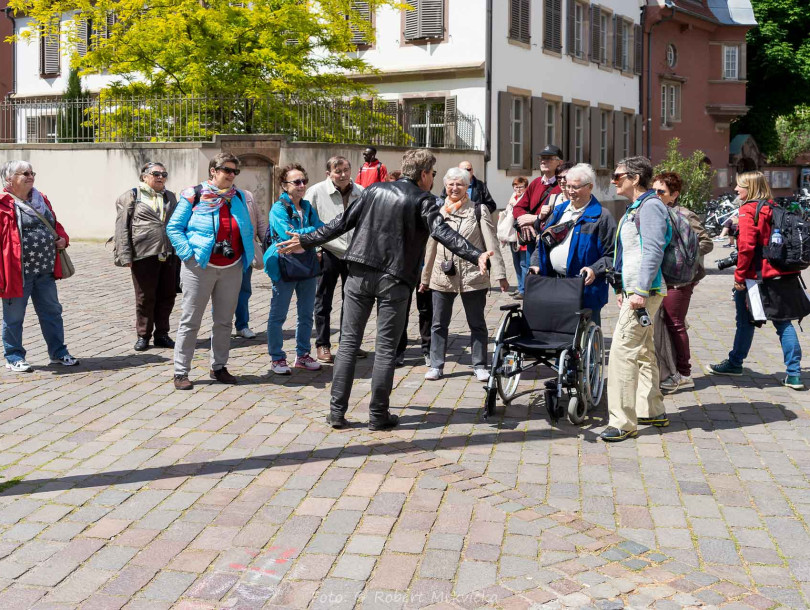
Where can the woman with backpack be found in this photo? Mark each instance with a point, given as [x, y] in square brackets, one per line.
[757, 233]
[449, 276]
[675, 305]
[292, 273]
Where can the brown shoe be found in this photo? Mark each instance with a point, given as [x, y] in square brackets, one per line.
[181, 382]
[324, 354]
[223, 376]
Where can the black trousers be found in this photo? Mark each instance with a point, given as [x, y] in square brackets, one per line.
[334, 269]
[366, 287]
[155, 292]
[424, 305]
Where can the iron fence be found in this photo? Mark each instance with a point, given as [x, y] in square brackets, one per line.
[194, 119]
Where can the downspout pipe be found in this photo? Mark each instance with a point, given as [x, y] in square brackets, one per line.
[488, 87]
[10, 14]
[669, 4]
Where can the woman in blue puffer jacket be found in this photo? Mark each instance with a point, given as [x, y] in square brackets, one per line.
[290, 214]
[213, 236]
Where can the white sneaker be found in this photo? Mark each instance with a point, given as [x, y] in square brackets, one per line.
[433, 374]
[246, 333]
[307, 362]
[427, 360]
[65, 360]
[676, 382]
[20, 366]
[280, 367]
[481, 374]
[686, 382]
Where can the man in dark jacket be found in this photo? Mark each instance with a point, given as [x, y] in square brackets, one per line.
[477, 191]
[392, 222]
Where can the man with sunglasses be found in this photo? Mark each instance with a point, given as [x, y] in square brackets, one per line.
[392, 222]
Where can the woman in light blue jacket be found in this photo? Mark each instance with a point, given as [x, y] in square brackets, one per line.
[290, 214]
[213, 236]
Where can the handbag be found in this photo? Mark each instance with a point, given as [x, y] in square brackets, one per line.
[783, 298]
[298, 267]
[68, 270]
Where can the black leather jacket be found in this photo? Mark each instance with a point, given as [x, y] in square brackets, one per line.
[480, 194]
[392, 222]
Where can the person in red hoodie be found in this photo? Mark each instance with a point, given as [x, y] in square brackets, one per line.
[30, 266]
[752, 186]
[373, 170]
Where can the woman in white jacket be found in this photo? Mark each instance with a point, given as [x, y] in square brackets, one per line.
[507, 235]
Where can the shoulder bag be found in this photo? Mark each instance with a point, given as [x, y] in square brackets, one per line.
[68, 270]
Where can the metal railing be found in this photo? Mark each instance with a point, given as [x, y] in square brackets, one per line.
[195, 119]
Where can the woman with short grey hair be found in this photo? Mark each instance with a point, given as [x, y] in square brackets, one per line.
[141, 244]
[448, 276]
[30, 241]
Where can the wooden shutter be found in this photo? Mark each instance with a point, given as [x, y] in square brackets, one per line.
[638, 56]
[565, 123]
[519, 21]
[111, 20]
[617, 141]
[539, 106]
[638, 133]
[743, 71]
[552, 25]
[586, 140]
[571, 136]
[49, 51]
[596, 21]
[527, 134]
[570, 7]
[618, 42]
[81, 37]
[595, 136]
[450, 122]
[504, 130]
[362, 11]
[424, 20]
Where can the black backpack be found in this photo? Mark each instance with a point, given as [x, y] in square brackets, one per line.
[793, 254]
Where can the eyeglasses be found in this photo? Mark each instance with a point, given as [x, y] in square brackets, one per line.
[228, 170]
[159, 174]
[661, 191]
[26, 174]
[618, 176]
[434, 173]
[576, 188]
[298, 181]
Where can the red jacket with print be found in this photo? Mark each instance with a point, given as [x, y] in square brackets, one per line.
[11, 275]
[753, 235]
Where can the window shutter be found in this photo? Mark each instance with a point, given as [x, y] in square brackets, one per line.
[111, 20]
[424, 20]
[552, 25]
[743, 72]
[528, 117]
[586, 140]
[519, 24]
[572, 133]
[450, 122]
[81, 37]
[638, 133]
[596, 19]
[596, 136]
[49, 51]
[565, 129]
[615, 143]
[504, 129]
[362, 11]
[617, 42]
[569, 27]
[538, 129]
[638, 57]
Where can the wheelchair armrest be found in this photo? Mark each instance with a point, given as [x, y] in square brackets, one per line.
[512, 307]
[585, 314]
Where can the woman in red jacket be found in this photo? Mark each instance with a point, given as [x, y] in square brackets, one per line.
[29, 266]
[752, 186]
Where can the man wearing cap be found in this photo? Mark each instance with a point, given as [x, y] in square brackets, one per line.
[536, 201]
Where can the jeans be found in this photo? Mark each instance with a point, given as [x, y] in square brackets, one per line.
[334, 269]
[365, 286]
[279, 306]
[676, 305]
[41, 289]
[519, 261]
[525, 261]
[474, 303]
[242, 312]
[744, 337]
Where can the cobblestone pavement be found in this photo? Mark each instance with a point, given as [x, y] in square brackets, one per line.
[120, 492]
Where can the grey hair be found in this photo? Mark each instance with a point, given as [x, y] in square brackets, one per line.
[638, 166]
[147, 166]
[583, 171]
[416, 161]
[456, 173]
[12, 167]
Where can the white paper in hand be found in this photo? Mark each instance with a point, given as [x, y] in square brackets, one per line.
[755, 301]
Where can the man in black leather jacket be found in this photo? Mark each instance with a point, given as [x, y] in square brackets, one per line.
[392, 222]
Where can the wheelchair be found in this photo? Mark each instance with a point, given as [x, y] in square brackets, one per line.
[551, 327]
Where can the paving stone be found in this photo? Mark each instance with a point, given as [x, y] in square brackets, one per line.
[354, 567]
[168, 586]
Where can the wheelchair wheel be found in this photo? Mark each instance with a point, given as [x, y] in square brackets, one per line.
[577, 409]
[508, 361]
[593, 365]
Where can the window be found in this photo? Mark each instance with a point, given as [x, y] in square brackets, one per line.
[49, 60]
[424, 20]
[603, 38]
[517, 131]
[519, 21]
[625, 33]
[90, 32]
[576, 32]
[579, 134]
[731, 62]
[603, 138]
[551, 123]
[627, 130]
[362, 12]
[672, 56]
[40, 129]
[578, 23]
[552, 25]
[670, 102]
[426, 123]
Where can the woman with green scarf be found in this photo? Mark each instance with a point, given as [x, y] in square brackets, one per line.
[142, 245]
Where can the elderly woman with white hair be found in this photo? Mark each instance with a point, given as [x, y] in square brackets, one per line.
[579, 238]
[30, 240]
[448, 275]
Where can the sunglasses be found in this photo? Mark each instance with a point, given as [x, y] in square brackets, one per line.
[298, 181]
[616, 177]
[434, 173]
[26, 174]
[228, 170]
[159, 174]
[661, 191]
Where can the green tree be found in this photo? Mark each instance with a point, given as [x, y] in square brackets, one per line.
[696, 175]
[70, 125]
[778, 68]
[794, 135]
[218, 47]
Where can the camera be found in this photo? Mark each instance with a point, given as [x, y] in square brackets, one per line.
[729, 261]
[448, 267]
[224, 248]
[643, 316]
[614, 278]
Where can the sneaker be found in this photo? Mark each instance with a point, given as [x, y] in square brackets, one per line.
[324, 354]
[223, 376]
[614, 435]
[724, 368]
[306, 362]
[481, 374]
[182, 382]
[518, 296]
[280, 367]
[19, 366]
[718, 238]
[433, 374]
[246, 333]
[727, 246]
[66, 360]
[794, 382]
[671, 383]
[427, 360]
[660, 421]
